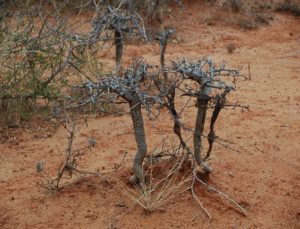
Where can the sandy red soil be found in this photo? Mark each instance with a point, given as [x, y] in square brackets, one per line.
[263, 176]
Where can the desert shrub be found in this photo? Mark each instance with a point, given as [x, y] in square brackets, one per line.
[37, 57]
[235, 5]
[248, 14]
[252, 19]
[246, 23]
[230, 47]
[210, 1]
[153, 10]
[289, 6]
[46, 55]
[255, 19]
[261, 18]
[43, 52]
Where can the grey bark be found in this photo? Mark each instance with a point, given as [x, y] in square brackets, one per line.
[163, 41]
[202, 102]
[163, 46]
[140, 138]
[199, 127]
[173, 111]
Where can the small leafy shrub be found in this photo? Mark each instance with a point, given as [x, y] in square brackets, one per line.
[35, 53]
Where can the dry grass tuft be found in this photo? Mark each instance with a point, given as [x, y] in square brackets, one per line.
[163, 180]
[230, 47]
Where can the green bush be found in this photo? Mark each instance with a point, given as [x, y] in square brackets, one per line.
[36, 57]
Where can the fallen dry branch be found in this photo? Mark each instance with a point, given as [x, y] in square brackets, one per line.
[198, 200]
[222, 194]
[69, 166]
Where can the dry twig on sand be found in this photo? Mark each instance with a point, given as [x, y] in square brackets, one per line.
[69, 166]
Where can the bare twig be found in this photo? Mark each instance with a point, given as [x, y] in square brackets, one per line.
[222, 194]
[198, 200]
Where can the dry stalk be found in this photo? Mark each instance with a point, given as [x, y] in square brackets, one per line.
[198, 200]
[222, 194]
[152, 195]
[69, 166]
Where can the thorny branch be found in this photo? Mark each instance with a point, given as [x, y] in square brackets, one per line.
[121, 22]
[34, 52]
[208, 77]
[69, 165]
[133, 86]
[169, 88]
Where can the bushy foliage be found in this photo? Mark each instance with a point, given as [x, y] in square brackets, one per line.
[37, 55]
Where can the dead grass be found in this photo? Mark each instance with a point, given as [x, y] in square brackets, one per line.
[230, 47]
[163, 180]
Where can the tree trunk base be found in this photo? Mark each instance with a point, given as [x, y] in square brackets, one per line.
[204, 168]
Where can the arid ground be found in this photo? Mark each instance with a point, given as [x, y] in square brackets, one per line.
[259, 168]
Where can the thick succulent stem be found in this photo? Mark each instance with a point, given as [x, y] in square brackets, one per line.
[211, 136]
[163, 46]
[163, 41]
[119, 47]
[173, 111]
[199, 126]
[140, 138]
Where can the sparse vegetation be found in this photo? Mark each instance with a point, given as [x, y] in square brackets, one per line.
[36, 59]
[247, 15]
[69, 167]
[68, 68]
[230, 47]
[289, 6]
[47, 55]
[158, 190]
[236, 5]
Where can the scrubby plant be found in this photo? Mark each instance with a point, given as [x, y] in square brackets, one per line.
[230, 47]
[248, 14]
[235, 5]
[289, 6]
[37, 55]
[40, 51]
